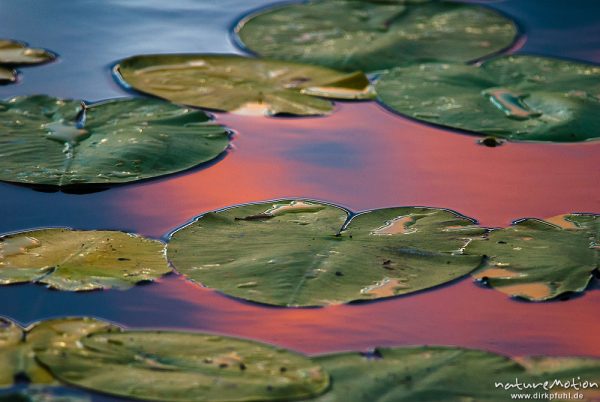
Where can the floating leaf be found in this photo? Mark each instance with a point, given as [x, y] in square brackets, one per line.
[17, 53]
[11, 337]
[242, 85]
[73, 260]
[426, 374]
[538, 260]
[12, 52]
[305, 253]
[59, 142]
[373, 35]
[7, 75]
[517, 97]
[186, 366]
[178, 366]
[18, 346]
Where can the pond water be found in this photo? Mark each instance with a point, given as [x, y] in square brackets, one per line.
[361, 157]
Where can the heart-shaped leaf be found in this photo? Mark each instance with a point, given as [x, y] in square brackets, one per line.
[18, 346]
[242, 85]
[181, 367]
[306, 253]
[538, 260]
[57, 142]
[73, 260]
[17, 53]
[517, 97]
[427, 374]
[373, 35]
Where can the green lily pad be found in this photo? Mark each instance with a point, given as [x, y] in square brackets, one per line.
[522, 98]
[426, 374]
[242, 85]
[537, 260]
[178, 367]
[60, 142]
[17, 53]
[7, 75]
[11, 337]
[372, 35]
[12, 52]
[73, 260]
[18, 346]
[586, 368]
[306, 253]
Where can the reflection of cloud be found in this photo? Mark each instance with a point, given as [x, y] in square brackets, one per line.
[462, 314]
[401, 162]
[442, 316]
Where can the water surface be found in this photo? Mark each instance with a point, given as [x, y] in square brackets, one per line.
[361, 157]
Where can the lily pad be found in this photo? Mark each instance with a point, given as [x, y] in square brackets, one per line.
[11, 337]
[178, 367]
[18, 346]
[58, 142]
[12, 52]
[75, 260]
[538, 260]
[306, 253]
[242, 85]
[17, 53]
[426, 374]
[7, 75]
[522, 98]
[370, 35]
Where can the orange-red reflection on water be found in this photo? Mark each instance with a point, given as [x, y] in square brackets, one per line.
[462, 314]
[364, 157]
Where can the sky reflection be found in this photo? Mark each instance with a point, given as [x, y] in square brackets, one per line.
[361, 157]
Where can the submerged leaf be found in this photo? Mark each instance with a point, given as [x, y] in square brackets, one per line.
[427, 374]
[538, 260]
[51, 141]
[374, 35]
[304, 253]
[67, 259]
[517, 97]
[241, 84]
[18, 346]
[179, 367]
